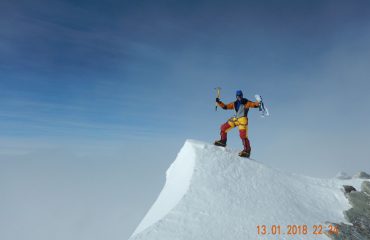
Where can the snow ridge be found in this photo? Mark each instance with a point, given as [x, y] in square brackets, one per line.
[210, 193]
[178, 177]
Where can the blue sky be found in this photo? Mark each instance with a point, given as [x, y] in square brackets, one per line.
[104, 94]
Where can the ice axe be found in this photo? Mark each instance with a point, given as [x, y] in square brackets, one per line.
[218, 89]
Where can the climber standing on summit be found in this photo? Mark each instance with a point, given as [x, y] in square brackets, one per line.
[241, 107]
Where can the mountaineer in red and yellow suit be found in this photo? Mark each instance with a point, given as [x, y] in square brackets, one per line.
[241, 107]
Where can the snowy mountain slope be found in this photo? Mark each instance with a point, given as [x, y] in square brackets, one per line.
[211, 193]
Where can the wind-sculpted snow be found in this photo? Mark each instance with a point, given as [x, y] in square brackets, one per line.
[178, 178]
[212, 194]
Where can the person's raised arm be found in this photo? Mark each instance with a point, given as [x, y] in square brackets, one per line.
[223, 105]
[251, 104]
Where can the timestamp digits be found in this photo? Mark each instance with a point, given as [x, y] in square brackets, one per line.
[295, 229]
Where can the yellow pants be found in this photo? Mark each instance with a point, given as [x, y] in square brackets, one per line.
[241, 123]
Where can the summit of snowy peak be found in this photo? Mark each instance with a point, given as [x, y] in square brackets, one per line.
[211, 193]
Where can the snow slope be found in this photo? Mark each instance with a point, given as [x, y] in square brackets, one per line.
[211, 193]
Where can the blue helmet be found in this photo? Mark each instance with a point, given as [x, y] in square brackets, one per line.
[239, 93]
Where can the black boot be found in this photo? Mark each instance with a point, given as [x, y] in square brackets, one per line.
[221, 143]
